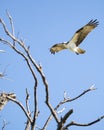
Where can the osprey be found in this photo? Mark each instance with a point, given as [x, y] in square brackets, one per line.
[78, 37]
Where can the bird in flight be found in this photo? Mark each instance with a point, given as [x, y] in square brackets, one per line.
[76, 40]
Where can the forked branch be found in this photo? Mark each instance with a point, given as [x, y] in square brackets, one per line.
[21, 106]
[30, 61]
[66, 100]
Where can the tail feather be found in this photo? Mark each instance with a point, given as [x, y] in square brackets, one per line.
[79, 51]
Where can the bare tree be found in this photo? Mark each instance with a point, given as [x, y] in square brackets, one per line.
[20, 47]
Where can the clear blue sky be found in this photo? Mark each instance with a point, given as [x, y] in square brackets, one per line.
[41, 24]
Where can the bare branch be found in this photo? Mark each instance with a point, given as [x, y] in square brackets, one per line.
[21, 106]
[20, 53]
[15, 49]
[63, 120]
[12, 25]
[6, 30]
[38, 128]
[39, 69]
[3, 74]
[36, 112]
[34, 63]
[66, 116]
[88, 124]
[77, 97]
[27, 98]
[47, 122]
[65, 101]
[28, 123]
[11, 34]
[6, 42]
[60, 111]
[25, 57]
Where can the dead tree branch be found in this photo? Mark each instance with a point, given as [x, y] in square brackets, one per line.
[36, 112]
[66, 100]
[88, 124]
[63, 120]
[12, 25]
[26, 57]
[29, 59]
[21, 106]
[77, 97]
[28, 123]
[27, 98]
[39, 69]
[13, 46]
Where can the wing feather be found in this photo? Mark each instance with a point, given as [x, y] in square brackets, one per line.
[57, 47]
[80, 34]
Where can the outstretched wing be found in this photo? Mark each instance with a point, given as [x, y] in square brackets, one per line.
[83, 32]
[57, 47]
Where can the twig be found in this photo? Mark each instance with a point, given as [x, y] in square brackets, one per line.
[12, 25]
[4, 124]
[3, 74]
[60, 111]
[6, 30]
[38, 128]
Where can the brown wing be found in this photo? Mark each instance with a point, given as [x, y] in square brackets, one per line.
[83, 32]
[57, 47]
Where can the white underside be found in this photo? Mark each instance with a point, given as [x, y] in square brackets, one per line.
[72, 46]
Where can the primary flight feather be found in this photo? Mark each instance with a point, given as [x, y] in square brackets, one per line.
[78, 37]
